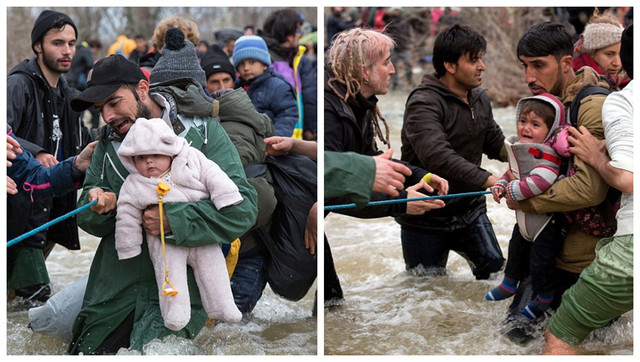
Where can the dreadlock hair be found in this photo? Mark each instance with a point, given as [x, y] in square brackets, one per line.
[351, 52]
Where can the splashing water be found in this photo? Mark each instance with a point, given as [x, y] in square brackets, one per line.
[388, 311]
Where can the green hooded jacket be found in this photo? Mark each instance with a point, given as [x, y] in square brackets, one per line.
[117, 288]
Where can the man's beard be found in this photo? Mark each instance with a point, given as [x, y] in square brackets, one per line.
[143, 111]
[52, 64]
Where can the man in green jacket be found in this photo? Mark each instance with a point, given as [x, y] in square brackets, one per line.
[120, 306]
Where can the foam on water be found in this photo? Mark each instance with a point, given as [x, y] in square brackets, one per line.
[276, 327]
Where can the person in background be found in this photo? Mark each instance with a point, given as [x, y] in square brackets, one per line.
[47, 127]
[398, 30]
[599, 48]
[142, 48]
[218, 70]
[269, 91]
[96, 48]
[249, 30]
[80, 66]
[188, 27]
[282, 31]
[202, 48]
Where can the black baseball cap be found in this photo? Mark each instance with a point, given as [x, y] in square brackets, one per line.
[105, 78]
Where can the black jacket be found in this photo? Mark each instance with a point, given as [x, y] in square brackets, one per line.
[348, 128]
[447, 136]
[30, 108]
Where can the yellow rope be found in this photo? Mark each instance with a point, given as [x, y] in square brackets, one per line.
[167, 287]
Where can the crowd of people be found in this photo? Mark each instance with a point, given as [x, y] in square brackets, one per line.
[566, 240]
[214, 136]
[208, 121]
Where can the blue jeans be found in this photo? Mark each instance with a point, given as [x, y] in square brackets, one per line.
[476, 243]
[248, 281]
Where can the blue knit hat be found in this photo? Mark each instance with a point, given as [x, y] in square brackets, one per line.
[251, 47]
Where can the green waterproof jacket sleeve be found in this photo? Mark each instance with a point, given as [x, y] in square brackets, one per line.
[199, 223]
[108, 179]
[349, 174]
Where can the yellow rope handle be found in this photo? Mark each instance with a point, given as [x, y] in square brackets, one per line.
[167, 287]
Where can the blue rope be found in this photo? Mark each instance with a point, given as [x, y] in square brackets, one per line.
[52, 222]
[397, 201]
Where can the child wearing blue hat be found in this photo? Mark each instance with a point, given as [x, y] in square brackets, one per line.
[269, 91]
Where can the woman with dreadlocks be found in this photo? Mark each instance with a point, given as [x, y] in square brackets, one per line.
[358, 69]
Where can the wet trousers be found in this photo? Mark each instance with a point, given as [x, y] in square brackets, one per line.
[476, 243]
[603, 292]
[537, 258]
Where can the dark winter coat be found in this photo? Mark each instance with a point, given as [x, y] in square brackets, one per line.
[30, 109]
[348, 127]
[82, 63]
[270, 93]
[448, 137]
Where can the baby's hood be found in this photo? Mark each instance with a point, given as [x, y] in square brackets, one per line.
[146, 137]
[559, 120]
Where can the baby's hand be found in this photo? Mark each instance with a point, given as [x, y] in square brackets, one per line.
[498, 192]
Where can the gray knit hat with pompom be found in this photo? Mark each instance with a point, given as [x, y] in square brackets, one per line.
[179, 60]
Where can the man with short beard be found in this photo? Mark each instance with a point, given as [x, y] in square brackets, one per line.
[39, 113]
[121, 307]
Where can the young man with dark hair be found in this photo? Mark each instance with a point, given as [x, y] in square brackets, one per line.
[604, 289]
[38, 112]
[448, 126]
[545, 53]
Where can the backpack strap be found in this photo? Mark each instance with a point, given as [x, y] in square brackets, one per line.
[574, 107]
[583, 93]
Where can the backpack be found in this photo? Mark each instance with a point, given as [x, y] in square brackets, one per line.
[291, 269]
[596, 220]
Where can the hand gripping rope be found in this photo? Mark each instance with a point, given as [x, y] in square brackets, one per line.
[48, 224]
[397, 201]
[167, 287]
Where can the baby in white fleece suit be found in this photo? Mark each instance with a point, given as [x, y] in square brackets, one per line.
[153, 153]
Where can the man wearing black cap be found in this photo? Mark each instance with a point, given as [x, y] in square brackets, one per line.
[218, 69]
[39, 113]
[121, 302]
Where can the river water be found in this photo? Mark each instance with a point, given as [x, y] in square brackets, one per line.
[277, 327]
[388, 311]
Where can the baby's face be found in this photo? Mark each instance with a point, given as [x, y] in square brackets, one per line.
[251, 68]
[532, 128]
[152, 165]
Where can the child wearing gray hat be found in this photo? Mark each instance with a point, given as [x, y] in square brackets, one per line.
[269, 91]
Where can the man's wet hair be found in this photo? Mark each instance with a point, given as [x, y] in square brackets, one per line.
[454, 42]
[545, 39]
